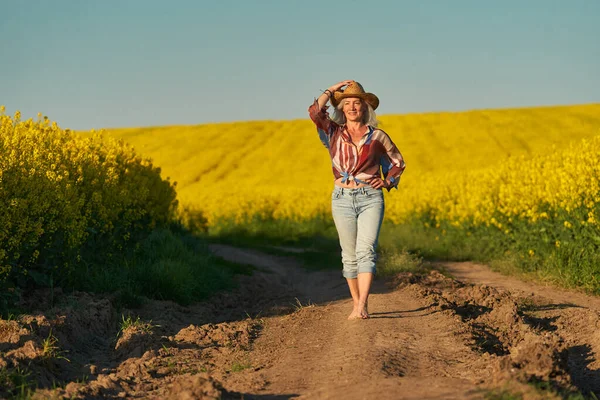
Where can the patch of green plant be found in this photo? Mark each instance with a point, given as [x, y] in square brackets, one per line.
[394, 260]
[15, 383]
[526, 304]
[270, 232]
[9, 296]
[127, 297]
[315, 243]
[502, 394]
[531, 250]
[239, 366]
[299, 306]
[549, 388]
[136, 323]
[83, 380]
[51, 350]
[170, 264]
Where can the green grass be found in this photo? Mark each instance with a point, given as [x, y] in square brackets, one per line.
[168, 265]
[542, 389]
[315, 233]
[395, 260]
[239, 366]
[502, 395]
[314, 243]
[136, 323]
[530, 251]
[9, 298]
[50, 348]
[15, 383]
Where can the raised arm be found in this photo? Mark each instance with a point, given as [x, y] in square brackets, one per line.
[327, 93]
[318, 112]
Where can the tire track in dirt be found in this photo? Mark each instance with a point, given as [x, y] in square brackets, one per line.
[431, 337]
[571, 315]
[482, 275]
[283, 333]
[405, 350]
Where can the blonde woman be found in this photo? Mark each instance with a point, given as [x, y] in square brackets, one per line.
[365, 161]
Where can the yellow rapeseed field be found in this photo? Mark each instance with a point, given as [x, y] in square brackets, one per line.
[525, 188]
[62, 194]
[520, 182]
[461, 164]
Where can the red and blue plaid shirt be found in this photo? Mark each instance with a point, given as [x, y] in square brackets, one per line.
[373, 155]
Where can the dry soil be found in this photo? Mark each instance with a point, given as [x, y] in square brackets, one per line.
[284, 334]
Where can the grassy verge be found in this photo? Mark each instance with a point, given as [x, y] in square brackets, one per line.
[530, 251]
[543, 390]
[543, 251]
[175, 264]
[171, 264]
[314, 243]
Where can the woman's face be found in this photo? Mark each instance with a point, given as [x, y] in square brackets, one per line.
[353, 108]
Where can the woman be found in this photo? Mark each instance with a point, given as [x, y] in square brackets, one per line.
[360, 155]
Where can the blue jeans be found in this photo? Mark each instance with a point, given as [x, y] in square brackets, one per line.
[358, 214]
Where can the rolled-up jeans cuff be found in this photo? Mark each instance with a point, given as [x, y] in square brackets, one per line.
[350, 274]
[371, 269]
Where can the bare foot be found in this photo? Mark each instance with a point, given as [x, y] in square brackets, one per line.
[363, 312]
[355, 314]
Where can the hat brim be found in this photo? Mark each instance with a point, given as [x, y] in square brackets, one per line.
[368, 97]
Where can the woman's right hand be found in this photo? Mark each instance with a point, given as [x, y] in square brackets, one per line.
[328, 93]
[339, 85]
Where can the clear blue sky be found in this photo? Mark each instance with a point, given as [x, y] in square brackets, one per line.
[117, 63]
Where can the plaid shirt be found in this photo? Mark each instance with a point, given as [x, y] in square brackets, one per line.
[373, 155]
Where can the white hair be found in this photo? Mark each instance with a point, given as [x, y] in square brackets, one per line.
[369, 116]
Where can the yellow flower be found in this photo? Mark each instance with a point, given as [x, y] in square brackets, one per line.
[567, 224]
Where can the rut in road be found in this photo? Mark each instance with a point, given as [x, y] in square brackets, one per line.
[283, 333]
[317, 352]
[429, 337]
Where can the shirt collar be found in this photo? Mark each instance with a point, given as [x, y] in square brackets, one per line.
[370, 129]
[364, 139]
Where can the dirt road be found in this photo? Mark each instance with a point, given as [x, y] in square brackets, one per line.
[284, 334]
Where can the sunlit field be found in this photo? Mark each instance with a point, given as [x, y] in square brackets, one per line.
[87, 212]
[491, 185]
[516, 188]
[280, 168]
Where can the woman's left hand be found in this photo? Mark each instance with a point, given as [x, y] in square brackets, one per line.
[378, 183]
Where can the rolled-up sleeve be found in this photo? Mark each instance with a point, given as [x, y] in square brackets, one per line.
[392, 162]
[325, 126]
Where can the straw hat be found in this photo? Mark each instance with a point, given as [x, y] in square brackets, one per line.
[354, 89]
